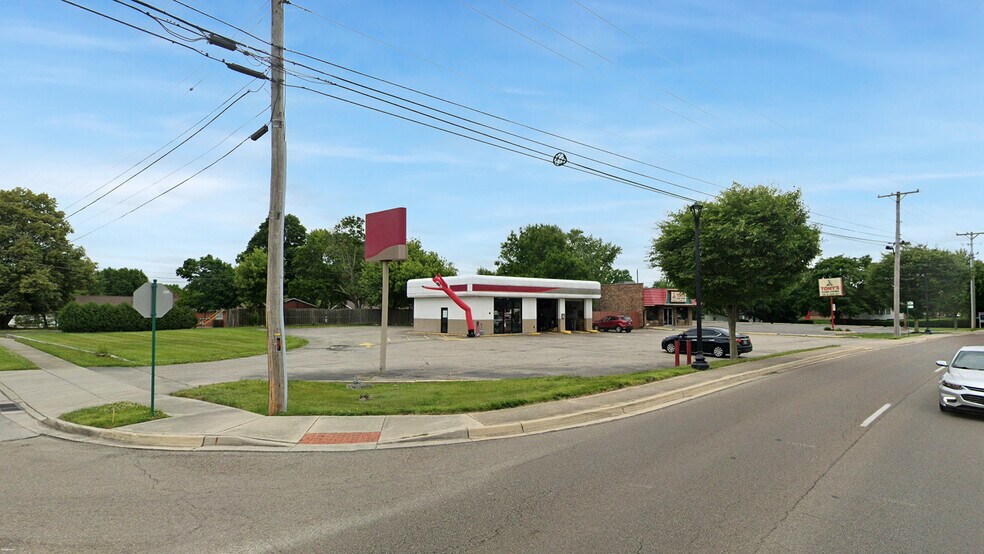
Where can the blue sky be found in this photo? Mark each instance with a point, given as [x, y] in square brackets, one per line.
[843, 100]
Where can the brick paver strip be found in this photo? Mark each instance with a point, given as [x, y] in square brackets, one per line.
[339, 438]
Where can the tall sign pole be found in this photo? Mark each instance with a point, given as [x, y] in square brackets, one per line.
[276, 360]
[386, 241]
[973, 291]
[898, 254]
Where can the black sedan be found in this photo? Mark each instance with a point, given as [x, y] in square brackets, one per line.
[717, 342]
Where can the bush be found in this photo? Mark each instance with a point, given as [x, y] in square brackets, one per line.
[102, 318]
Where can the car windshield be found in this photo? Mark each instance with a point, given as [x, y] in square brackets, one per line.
[969, 360]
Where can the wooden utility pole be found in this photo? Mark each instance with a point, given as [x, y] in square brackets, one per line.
[898, 255]
[276, 340]
[973, 272]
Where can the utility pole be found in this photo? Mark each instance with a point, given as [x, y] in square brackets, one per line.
[276, 341]
[898, 254]
[973, 291]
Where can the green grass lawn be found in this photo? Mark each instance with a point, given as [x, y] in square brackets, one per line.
[431, 397]
[10, 361]
[133, 349]
[113, 415]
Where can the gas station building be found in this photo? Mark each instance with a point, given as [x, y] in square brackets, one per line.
[503, 305]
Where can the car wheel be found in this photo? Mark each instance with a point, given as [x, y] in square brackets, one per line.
[718, 352]
[618, 329]
[670, 348]
[627, 330]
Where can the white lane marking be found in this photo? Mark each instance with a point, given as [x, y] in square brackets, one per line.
[875, 415]
[939, 370]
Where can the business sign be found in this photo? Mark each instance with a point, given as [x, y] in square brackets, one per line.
[386, 235]
[833, 286]
[678, 297]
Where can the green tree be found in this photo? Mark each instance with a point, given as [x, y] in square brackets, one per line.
[936, 281]
[419, 264]
[329, 265]
[755, 241]
[294, 236]
[118, 282]
[251, 278]
[546, 251]
[210, 284]
[40, 269]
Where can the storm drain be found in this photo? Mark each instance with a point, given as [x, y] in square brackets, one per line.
[10, 407]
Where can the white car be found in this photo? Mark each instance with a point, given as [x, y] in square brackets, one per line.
[962, 386]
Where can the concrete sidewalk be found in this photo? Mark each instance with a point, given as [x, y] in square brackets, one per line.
[59, 387]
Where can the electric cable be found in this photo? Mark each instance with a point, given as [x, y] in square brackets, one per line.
[192, 176]
[162, 156]
[148, 156]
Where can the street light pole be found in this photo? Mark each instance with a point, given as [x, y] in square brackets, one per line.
[699, 363]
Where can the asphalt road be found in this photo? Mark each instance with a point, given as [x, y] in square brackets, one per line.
[777, 465]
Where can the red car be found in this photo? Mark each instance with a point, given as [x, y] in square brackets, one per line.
[617, 322]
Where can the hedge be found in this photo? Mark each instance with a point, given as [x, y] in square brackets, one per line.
[102, 318]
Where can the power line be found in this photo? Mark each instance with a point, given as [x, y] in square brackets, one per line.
[193, 160]
[493, 87]
[484, 126]
[162, 156]
[192, 176]
[519, 149]
[148, 156]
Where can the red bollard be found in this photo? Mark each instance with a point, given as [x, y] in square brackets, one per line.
[689, 347]
[676, 350]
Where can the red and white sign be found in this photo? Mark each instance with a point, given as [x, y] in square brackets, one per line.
[386, 235]
[833, 286]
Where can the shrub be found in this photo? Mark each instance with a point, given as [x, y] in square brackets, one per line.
[101, 318]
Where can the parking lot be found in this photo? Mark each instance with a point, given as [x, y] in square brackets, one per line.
[347, 353]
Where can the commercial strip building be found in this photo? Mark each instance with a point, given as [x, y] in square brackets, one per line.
[502, 305]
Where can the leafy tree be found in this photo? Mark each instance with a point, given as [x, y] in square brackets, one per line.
[40, 269]
[294, 236]
[251, 278]
[419, 264]
[936, 281]
[210, 284]
[330, 263]
[118, 282]
[546, 251]
[755, 241]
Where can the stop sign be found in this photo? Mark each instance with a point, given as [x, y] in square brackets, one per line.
[141, 299]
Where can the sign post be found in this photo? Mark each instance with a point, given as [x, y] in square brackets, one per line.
[386, 241]
[831, 287]
[153, 302]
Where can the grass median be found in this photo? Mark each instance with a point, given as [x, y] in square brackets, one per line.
[429, 397]
[182, 346]
[10, 361]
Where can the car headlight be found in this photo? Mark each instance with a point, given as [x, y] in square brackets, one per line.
[949, 385]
